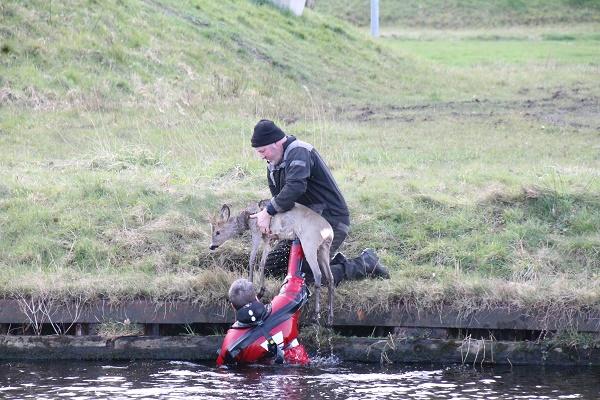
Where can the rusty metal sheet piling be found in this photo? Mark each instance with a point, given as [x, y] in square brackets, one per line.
[149, 312]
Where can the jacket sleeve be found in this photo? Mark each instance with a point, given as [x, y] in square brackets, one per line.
[297, 172]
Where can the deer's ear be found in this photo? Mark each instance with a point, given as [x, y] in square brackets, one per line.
[263, 203]
[225, 212]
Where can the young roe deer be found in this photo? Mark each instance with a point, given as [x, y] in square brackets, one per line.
[300, 222]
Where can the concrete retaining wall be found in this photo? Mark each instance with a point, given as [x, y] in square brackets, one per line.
[204, 348]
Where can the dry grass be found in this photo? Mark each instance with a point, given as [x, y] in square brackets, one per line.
[114, 329]
[553, 300]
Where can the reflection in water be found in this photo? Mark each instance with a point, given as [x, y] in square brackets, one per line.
[184, 380]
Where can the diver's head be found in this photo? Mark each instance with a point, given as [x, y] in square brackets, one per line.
[241, 292]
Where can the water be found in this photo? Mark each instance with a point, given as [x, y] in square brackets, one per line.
[327, 380]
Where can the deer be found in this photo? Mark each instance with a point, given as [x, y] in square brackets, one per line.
[300, 222]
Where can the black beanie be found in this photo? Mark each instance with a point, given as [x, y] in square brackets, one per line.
[266, 132]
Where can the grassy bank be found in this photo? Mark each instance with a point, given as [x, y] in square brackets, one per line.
[469, 162]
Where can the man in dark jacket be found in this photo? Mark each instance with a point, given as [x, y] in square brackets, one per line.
[297, 173]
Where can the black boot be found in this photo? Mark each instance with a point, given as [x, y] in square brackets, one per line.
[374, 267]
[338, 272]
[338, 259]
[366, 265]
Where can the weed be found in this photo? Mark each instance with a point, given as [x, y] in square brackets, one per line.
[114, 329]
[6, 48]
[571, 338]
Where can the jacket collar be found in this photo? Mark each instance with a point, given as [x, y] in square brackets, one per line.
[290, 139]
[281, 164]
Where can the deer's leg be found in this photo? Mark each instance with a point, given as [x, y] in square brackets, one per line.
[261, 271]
[255, 245]
[323, 256]
[313, 263]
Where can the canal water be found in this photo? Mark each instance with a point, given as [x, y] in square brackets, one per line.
[326, 379]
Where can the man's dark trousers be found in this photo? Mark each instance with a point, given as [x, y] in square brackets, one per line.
[277, 259]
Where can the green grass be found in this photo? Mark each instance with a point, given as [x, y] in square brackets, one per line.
[465, 13]
[470, 162]
[503, 52]
[181, 53]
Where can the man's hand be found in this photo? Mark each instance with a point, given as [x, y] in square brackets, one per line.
[263, 219]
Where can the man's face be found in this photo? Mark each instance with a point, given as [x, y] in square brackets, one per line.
[272, 152]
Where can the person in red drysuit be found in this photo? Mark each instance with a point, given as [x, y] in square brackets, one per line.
[267, 333]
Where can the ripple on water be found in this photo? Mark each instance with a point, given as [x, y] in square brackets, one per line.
[327, 378]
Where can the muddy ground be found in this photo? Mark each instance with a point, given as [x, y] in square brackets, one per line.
[575, 107]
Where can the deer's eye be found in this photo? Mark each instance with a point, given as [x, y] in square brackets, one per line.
[217, 233]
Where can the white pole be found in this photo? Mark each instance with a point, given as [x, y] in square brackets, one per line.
[375, 18]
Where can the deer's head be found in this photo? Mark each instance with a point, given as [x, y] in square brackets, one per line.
[224, 228]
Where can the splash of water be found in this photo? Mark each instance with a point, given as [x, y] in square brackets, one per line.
[325, 361]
